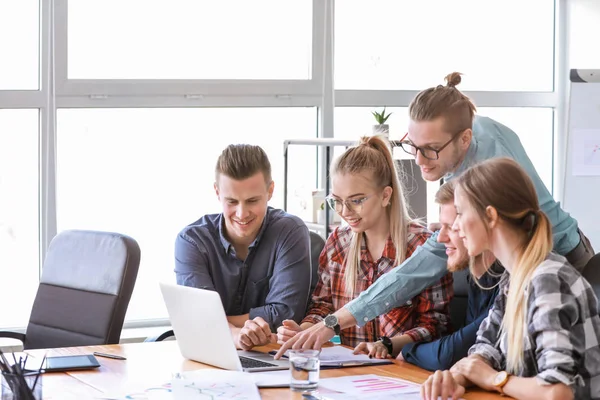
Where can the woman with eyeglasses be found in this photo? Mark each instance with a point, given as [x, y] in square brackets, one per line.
[379, 235]
[541, 338]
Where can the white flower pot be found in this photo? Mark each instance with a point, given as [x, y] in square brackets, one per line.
[382, 129]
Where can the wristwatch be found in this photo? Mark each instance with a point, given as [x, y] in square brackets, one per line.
[500, 380]
[387, 342]
[331, 321]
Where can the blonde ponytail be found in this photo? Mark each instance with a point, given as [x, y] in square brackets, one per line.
[514, 322]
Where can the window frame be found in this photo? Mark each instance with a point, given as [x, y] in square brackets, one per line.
[57, 91]
[188, 89]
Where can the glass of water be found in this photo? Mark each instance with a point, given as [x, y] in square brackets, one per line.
[304, 369]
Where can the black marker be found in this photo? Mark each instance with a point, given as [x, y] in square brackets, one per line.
[116, 357]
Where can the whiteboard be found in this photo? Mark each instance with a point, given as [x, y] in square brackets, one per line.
[582, 168]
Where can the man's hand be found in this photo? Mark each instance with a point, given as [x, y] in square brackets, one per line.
[372, 349]
[311, 338]
[288, 330]
[441, 384]
[434, 226]
[477, 371]
[255, 332]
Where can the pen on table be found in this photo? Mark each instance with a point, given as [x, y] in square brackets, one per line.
[106, 355]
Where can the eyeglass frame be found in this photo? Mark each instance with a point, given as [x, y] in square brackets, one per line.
[437, 152]
[346, 204]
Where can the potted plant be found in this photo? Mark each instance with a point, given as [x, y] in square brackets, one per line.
[381, 128]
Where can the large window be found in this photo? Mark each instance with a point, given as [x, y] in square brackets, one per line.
[190, 39]
[503, 45]
[19, 44]
[112, 113]
[19, 246]
[150, 172]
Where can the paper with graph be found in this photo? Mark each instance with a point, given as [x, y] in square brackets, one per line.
[204, 384]
[586, 152]
[373, 387]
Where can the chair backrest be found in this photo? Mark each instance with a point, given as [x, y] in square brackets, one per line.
[460, 301]
[85, 288]
[316, 246]
[591, 272]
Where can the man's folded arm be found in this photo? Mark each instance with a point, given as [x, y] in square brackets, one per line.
[443, 353]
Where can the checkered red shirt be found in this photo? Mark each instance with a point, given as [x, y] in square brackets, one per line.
[423, 318]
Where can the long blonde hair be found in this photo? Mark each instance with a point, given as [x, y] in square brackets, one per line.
[502, 184]
[373, 155]
[444, 101]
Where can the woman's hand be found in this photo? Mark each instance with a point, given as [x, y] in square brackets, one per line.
[288, 330]
[477, 371]
[441, 384]
[372, 349]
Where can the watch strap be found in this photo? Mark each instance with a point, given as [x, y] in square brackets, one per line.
[387, 342]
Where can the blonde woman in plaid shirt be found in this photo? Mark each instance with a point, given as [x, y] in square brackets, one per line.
[380, 235]
[541, 338]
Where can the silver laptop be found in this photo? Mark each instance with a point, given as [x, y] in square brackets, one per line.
[203, 334]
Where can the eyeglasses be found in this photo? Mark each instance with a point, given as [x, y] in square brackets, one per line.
[428, 153]
[354, 205]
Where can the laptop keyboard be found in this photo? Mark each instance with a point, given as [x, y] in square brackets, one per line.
[253, 363]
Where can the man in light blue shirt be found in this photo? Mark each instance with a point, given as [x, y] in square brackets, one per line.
[446, 138]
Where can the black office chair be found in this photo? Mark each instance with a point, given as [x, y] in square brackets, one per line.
[317, 243]
[460, 302]
[85, 288]
[591, 273]
[316, 246]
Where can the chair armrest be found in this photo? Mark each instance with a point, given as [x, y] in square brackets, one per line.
[13, 335]
[160, 337]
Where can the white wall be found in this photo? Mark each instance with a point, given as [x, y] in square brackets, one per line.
[584, 34]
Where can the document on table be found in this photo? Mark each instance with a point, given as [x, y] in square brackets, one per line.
[201, 384]
[339, 356]
[376, 387]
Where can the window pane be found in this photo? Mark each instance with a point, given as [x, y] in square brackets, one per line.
[149, 172]
[19, 44]
[498, 45]
[190, 39]
[533, 125]
[19, 244]
[584, 33]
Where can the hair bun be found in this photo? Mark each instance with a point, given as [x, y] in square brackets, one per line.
[453, 79]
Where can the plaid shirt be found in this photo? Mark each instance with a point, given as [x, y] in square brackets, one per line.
[563, 329]
[423, 318]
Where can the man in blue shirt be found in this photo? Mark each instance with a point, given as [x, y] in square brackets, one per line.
[256, 257]
[446, 138]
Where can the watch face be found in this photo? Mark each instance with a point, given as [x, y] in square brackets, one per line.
[500, 377]
[330, 321]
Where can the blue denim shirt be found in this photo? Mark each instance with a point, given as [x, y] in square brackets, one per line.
[273, 282]
[428, 263]
[445, 352]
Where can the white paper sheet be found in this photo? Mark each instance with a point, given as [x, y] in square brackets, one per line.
[585, 148]
[376, 387]
[198, 385]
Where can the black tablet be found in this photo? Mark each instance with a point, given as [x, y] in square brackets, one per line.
[70, 363]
